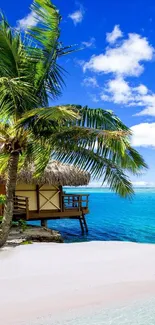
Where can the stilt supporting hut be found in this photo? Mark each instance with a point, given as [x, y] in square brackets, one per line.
[44, 199]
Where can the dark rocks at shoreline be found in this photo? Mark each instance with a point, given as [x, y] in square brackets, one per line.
[31, 234]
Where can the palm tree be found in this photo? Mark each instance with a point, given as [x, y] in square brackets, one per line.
[31, 131]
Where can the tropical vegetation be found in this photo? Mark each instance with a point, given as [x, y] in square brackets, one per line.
[32, 131]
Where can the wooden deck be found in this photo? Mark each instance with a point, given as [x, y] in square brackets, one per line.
[72, 206]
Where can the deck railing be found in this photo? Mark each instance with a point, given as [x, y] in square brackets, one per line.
[21, 205]
[75, 201]
[78, 202]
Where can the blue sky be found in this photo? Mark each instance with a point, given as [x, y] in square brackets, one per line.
[116, 68]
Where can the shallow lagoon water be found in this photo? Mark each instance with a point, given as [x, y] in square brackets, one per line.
[137, 313]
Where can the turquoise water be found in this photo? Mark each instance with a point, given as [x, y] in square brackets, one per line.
[138, 313]
[135, 314]
[113, 218]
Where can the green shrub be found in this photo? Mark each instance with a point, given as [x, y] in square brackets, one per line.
[2, 199]
[27, 242]
[22, 224]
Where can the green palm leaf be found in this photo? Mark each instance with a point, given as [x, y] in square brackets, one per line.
[57, 114]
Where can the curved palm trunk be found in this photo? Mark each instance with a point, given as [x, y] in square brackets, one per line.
[10, 190]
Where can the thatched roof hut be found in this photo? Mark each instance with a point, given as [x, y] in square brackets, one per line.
[43, 198]
[55, 173]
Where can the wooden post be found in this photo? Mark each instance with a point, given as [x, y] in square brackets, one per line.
[44, 223]
[38, 201]
[1, 209]
[81, 224]
[60, 198]
[79, 202]
[85, 223]
[27, 208]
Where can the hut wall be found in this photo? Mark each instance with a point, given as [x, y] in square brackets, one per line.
[49, 197]
[29, 191]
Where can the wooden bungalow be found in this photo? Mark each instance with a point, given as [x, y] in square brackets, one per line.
[43, 198]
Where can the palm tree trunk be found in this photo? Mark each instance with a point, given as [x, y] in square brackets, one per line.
[10, 190]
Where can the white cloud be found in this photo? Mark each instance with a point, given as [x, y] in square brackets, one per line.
[125, 59]
[90, 82]
[90, 43]
[77, 16]
[143, 135]
[114, 35]
[141, 89]
[29, 20]
[149, 102]
[143, 184]
[117, 91]
[122, 60]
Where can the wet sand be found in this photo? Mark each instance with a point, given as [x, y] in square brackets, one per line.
[43, 279]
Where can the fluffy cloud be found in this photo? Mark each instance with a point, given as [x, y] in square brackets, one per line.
[90, 82]
[77, 16]
[141, 89]
[114, 35]
[90, 43]
[143, 135]
[29, 20]
[124, 59]
[119, 91]
[149, 102]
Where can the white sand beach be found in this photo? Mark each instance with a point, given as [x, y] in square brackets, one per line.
[43, 279]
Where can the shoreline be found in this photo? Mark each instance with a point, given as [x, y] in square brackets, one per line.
[43, 279]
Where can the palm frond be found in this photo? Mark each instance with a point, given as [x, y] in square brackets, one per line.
[4, 159]
[49, 75]
[15, 96]
[9, 43]
[135, 162]
[112, 145]
[99, 167]
[48, 19]
[39, 154]
[57, 114]
[17, 70]
[99, 119]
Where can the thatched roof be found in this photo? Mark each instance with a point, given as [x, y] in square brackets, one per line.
[55, 173]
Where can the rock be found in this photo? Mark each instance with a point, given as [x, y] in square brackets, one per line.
[33, 234]
[15, 242]
[42, 235]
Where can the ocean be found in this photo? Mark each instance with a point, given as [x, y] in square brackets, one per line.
[113, 218]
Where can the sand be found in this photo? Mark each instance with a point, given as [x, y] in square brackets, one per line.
[42, 279]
